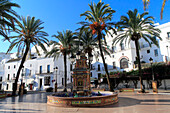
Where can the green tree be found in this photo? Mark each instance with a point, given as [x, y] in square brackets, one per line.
[64, 47]
[137, 26]
[30, 32]
[98, 18]
[8, 17]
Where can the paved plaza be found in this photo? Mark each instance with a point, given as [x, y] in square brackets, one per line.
[128, 103]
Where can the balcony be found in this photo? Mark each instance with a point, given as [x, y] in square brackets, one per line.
[43, 72]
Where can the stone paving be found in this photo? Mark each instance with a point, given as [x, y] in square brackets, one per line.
[128, 103]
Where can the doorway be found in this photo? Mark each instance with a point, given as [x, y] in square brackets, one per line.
[40, 83]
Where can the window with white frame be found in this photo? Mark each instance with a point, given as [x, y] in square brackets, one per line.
[168, 34]
[47, 81]
[122, 46]
[156, 52]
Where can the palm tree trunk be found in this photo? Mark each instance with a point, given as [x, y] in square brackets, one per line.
[19, 70]
[65, 73]
[105, 66]
[139, 65]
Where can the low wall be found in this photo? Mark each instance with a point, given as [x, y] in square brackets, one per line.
[111, 98]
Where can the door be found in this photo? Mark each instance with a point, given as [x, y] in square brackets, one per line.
[30, 86]
[40, 83]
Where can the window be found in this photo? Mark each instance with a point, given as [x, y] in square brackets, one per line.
[98, 67]
[113, 56]
[148, 51]
[30, 72]
[114, 65]
[114, 49]
[122, 46]
[7, 87]
[40, 69]
[71, 67]
[47, 81]
[99, 76]
[91, 74]
[48, 68]
[156, 52]
[8, 76]
[168, 34]
[30, 65]
[14, 66]
[0, 79]
[8, 67]
[14, 75]
[91, 67]
[123, 63]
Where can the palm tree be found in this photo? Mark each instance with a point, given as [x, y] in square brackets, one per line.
[64, 47]
[8, 16]
[146, 3]
[98, 18]
[30, 32]
[137, 26]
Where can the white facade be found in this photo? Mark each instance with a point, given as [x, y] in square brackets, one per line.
[38, 73]
[127, 52]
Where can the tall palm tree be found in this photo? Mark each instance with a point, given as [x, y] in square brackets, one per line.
[7, 16]
[137, 26]
[30, 32]
[64, 47]
[98, 18]
[146, 3]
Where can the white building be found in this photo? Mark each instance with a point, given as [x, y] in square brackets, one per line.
[124, 55]
[3, 58]
[38, 72]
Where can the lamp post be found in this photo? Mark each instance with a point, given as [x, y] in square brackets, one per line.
[22, 87]
[55, 69]
[154, 83]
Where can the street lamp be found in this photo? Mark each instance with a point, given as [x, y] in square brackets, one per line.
[22, 87]
[56, 69]
[154, 83]
[151, 61]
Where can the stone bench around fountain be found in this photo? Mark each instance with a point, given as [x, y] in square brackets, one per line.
[108, 98]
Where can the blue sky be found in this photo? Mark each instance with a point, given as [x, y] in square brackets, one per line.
[59, 15]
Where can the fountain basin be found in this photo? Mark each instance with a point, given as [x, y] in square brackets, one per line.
[107, 98]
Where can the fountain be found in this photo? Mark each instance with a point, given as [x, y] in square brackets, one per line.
[81, 96]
